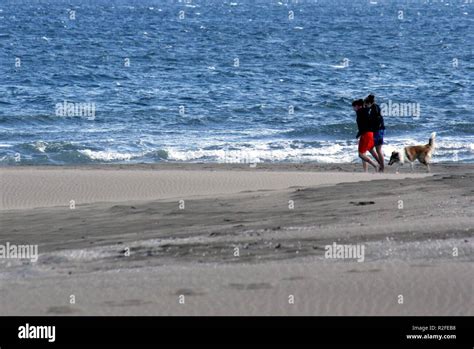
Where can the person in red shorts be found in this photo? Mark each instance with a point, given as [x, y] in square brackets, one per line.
[366, 141]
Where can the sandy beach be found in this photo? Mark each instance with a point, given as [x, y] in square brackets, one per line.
[210, 239]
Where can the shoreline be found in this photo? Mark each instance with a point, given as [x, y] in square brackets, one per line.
[288, 166]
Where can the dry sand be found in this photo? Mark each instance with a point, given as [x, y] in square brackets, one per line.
[279, 217]
[44, 187]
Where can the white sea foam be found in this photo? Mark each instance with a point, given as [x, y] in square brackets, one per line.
[275, 150]
[108, 155]
[261, 153]
[41, 146]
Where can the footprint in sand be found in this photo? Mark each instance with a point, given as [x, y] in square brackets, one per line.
[62, 310]
[126, 303]
[362, 203]
[187, 292]
[294, 278]
[251, 286]
[363, 271]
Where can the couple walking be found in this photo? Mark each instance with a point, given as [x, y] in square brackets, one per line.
[371, 132]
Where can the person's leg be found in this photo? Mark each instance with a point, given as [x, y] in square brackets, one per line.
[365, 166]
[375, 155]
[381, 159]
[366, 159]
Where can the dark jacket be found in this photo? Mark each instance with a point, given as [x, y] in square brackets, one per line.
[376, 118]
[363, 121]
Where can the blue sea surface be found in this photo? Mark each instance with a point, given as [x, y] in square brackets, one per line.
[230, 81]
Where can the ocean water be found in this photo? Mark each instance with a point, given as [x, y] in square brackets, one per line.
[230, 81]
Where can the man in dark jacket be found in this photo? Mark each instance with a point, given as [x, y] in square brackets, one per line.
[377, 126]
[366, 141]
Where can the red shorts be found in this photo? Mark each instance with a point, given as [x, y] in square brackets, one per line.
[366, 142]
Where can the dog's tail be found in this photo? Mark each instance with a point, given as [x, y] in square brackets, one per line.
[431, 142]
